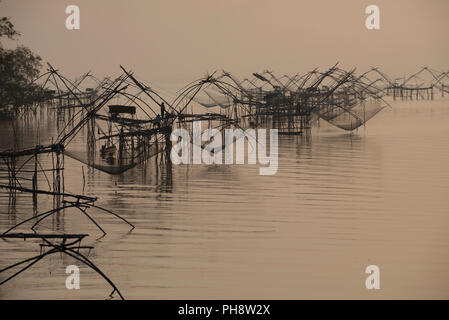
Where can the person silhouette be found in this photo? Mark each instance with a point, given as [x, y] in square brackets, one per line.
[157, 121]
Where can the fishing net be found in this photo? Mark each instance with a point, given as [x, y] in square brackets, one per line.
[352, 116]
[98, 164]
[209, 99]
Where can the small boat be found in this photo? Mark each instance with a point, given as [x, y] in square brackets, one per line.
[108, 151]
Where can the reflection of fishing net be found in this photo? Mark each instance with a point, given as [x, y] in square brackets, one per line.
[350, 117]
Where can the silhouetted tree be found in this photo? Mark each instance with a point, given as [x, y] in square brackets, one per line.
[18, 68]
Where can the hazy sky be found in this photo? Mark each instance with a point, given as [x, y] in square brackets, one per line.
[171, 42]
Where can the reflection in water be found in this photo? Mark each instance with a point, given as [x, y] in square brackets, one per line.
[338, 203]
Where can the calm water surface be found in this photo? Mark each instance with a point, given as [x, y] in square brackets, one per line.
[339, 203]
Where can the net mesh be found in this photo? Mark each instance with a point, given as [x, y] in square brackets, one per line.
[353, 116]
